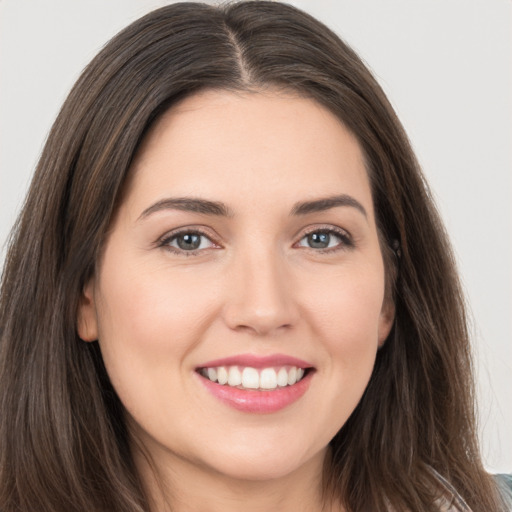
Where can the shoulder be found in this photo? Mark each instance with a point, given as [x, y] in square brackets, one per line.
[451, 501]
[505, 485]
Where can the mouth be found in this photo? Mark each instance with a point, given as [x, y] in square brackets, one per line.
[255, 384]
[249, 378]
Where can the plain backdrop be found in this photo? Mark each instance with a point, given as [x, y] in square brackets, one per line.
[446, 66]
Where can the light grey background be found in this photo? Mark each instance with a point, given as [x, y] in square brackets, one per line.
[447, 68]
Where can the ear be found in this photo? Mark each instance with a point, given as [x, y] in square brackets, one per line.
[386, 320]
[87, 321]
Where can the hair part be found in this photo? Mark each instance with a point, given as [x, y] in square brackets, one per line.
[64, 444]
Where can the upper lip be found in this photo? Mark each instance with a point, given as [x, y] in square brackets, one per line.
[256, 361]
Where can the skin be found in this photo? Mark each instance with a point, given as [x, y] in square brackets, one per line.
[254, 286]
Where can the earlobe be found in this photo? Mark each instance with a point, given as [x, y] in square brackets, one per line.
[87, 323]
[386, 320]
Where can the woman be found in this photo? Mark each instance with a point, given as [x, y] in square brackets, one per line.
[229, 287]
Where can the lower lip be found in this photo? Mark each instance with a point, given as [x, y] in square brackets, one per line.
[254, 401]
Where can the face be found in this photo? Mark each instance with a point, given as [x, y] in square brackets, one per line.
[239, 300]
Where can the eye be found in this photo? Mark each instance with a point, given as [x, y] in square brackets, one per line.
[325, 239]
[187, 242]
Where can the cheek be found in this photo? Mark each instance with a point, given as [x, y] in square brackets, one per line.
[342, 311]
[148, 327]
[149, 321]
[152, 308]
[346, 306]
[345, 317]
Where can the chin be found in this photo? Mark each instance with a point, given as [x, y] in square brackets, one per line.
[269, 464]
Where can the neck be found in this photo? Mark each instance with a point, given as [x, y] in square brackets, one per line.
[178, 485]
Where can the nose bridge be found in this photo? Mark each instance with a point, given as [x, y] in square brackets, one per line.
[261, 299]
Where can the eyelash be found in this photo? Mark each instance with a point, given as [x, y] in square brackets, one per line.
[169, 238]
[346, 241]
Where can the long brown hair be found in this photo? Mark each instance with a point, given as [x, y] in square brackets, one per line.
[63, 442]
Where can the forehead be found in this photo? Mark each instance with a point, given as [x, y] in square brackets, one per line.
[243, 147]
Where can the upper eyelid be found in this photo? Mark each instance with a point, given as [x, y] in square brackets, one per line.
[335, 229]
[326, 228]
[198, 230]
[204, 230]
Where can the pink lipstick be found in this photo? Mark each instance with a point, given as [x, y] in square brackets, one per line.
[256, 384]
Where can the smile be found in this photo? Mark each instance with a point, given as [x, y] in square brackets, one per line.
[256, 384]
[253, 378]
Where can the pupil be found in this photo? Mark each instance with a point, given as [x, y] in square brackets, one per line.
[189, 242]
[319, 240]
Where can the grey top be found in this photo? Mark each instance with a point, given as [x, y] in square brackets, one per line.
[453, 502]
[505, 485]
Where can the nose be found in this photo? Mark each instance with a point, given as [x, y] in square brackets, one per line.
[260, 299]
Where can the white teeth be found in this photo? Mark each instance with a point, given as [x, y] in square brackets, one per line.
[282, 377]
[292, 376]
[222, 375]
[252, 378]
[212, 374]
[268, 379]
[234, 376]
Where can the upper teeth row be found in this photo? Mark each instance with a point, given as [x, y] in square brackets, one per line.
[251, 378]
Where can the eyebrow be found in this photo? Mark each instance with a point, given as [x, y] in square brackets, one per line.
[189, 204]
[206, 207]
[326, 203]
